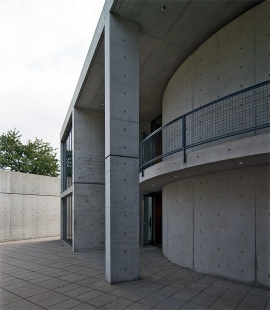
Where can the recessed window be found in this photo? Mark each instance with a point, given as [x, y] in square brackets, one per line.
[67, 161]
[67, 220]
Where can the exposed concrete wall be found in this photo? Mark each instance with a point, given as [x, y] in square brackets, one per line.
[29, 206]
[234, 58]
[89, 180]
[219, 224]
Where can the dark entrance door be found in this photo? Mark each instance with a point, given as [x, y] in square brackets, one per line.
[157, 218]
[148, 220]
[153, 219]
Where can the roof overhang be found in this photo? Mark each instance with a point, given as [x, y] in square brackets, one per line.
[166, 39]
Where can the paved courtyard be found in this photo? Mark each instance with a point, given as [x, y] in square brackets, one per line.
[46, 274]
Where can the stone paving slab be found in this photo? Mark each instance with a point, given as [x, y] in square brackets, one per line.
[46, 274]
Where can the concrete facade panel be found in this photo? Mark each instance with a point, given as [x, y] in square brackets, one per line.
[89, 216]
[16, 233]
[128, 95]
[5, 217]
[125, 138]
[205, 73]
[88, 239]
[181, 224]
[221, 222]
[30, 217]
[226, 202]
[263, 226]
[32, 184]
[262, 48]
[88, 146]
[234, 58]
[237, 58]
[5, 181]
[29, 206]
[88, 180]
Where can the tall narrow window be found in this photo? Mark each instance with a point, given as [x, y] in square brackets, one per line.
[67, 160]
[67, 220]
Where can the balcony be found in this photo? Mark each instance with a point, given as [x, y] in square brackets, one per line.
[238, 113]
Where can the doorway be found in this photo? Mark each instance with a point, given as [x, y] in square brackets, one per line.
[153, 219]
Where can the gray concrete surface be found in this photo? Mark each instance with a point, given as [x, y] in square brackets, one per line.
[219, 224]
[45, 274]
[166, 40]
[250, 151]
[234, 58]
[88, 180]
[121, 149]
[29, 206]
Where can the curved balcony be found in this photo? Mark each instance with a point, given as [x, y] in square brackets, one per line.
[244, 111]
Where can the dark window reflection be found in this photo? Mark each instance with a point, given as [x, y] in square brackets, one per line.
[67, 161]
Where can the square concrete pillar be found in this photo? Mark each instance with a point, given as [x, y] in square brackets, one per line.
[121, 149]
[88, 180]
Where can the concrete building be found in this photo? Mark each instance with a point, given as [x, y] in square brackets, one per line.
[166, 140]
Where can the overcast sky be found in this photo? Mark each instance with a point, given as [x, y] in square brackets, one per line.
[42, 50]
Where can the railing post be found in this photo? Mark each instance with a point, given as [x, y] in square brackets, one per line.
[184, 138]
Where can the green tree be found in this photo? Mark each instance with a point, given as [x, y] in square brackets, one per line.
[36, 157]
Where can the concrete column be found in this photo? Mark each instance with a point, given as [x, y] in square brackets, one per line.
[89, 183]
[121, 149]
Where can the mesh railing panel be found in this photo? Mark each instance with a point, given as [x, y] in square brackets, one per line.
[172, 137]
[238, 113]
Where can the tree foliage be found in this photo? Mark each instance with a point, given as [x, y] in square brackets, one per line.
[36, 157]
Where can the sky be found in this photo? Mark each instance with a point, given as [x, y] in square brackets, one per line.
[42, 50]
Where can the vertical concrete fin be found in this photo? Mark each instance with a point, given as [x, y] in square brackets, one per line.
[121, 149]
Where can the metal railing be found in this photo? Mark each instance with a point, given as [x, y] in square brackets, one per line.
[240, 112]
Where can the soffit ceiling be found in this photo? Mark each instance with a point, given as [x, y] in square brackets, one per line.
[166, 39]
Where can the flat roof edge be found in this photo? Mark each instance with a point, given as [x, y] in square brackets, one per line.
[107, 8]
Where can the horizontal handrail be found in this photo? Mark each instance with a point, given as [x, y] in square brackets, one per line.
[240, 112]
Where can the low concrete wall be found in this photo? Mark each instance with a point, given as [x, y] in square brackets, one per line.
[29, 206]
[219, 224]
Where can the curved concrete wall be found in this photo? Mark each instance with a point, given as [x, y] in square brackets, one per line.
[234, 58]
[219, 224]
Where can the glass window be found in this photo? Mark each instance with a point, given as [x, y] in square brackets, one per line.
[67, 160]
[156, 123]
[67, 220]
